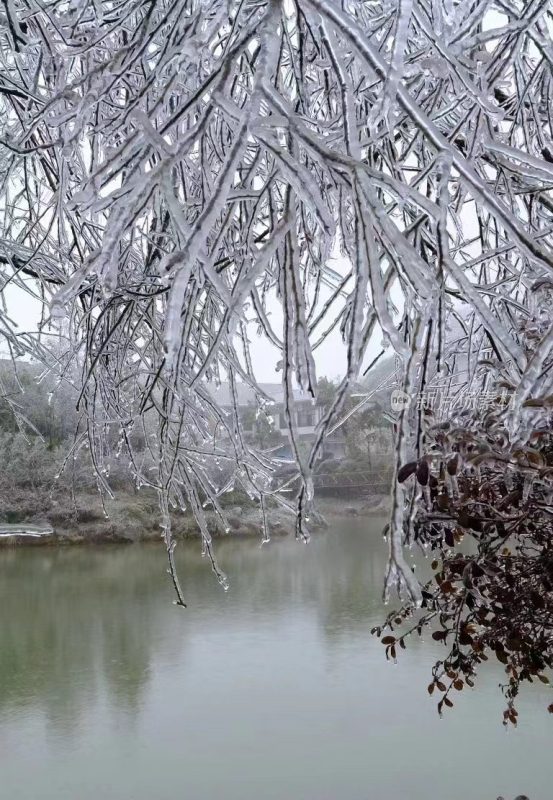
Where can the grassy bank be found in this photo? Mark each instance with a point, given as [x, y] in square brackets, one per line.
[134, 517]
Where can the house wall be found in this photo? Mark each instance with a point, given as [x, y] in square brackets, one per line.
[303, 411]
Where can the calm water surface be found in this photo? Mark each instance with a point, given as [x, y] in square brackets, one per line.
[274, 691]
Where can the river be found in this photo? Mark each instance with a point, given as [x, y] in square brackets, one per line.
[273, 691]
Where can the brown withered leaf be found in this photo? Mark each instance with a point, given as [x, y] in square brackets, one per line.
[406, 471]
[453, 465]
[545, 401]
[442, 501]
[423, 472]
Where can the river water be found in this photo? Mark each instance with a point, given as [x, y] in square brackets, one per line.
[273, 691]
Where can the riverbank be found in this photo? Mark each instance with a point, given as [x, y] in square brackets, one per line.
[135, 518]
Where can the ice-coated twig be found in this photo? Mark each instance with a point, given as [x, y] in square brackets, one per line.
[179, 178]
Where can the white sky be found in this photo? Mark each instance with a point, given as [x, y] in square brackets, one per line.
[330, 356]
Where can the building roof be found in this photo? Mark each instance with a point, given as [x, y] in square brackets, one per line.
[246, 395]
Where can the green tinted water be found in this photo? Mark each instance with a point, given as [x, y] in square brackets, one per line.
[275, 690]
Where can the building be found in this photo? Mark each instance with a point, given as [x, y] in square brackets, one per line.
[307, 415]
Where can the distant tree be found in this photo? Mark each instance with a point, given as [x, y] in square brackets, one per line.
[260, 427]
[364, 428]
[363, 420]
[326, 392]
[37, 407]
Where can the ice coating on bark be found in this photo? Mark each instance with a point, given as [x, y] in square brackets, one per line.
[180, 178]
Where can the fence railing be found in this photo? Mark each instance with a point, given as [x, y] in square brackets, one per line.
[366, 480]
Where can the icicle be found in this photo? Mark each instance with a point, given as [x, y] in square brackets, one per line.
[403, 20]
[529, 379]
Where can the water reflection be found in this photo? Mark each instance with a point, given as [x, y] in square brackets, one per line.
[101, 676]
[72, 619]
[76, 620]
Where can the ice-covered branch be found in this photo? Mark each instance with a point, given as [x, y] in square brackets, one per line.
[180, 176]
